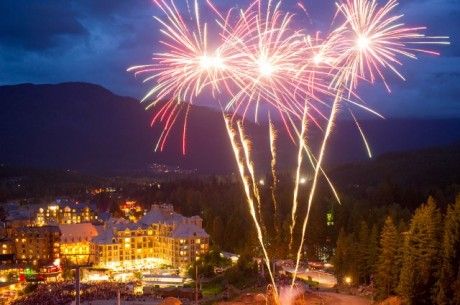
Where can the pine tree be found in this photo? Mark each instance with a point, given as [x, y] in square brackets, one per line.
[344, 257]
[362, 253]
[217, 230]
[388, 267]
[449, 275]
[373, 252]
[421, 249]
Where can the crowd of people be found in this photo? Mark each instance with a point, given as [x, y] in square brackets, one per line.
[63, 293]
[50, 294]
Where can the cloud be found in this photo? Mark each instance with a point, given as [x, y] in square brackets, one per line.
[37, 25]
[49, 41]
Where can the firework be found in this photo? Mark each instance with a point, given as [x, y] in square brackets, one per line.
[232, 134]
[184, 70]
[372, 39]
[260, 57]
[246, 144]
[295, 202]
[266, 55]
[273, 137]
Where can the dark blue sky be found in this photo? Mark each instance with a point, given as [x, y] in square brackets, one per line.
[52, 41]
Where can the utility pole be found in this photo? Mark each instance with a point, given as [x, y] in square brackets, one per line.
[196, 284]
[77, 285]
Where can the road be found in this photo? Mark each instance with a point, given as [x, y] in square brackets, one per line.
[331, 298]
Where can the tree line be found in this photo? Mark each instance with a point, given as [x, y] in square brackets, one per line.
[419, 261]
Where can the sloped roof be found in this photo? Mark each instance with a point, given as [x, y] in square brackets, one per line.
[156, 215]
[186, 230]
[33, 230]
[78, 230]
[121, 224]
[105, 237]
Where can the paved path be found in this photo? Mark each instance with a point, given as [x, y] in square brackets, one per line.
[114, 302]
[331, 298]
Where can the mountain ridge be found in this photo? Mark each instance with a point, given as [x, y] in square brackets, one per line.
[85, 127]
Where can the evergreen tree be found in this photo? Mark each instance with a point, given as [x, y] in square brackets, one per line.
[448, 283]
[217, 230]
[346, 257]
[420, 255]
[342, 255]
[362, 253]
[373, 252]
[388, 267]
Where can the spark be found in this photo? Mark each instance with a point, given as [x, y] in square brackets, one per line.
[246, 144]
[261, 58]
[295, 201]
[363, 135]
[274, 155]
[186, 67]
[373, 38]
[363, 43]
[378, 39]
[315, 180]
[247, 189]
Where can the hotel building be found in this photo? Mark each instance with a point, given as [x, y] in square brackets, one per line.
[37, 245]
[75, 243]
[161, 237]
[70, 213]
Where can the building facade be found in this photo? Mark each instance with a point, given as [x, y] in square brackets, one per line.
[55, 214]
[7, 251]
[161, 237]
[37, 245]
[75, 243]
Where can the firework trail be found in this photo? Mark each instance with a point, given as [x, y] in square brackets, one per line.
[327, 133]
[273, 138]
[246, 144]
[363, 135]
[260, 57]
[232, 134]
[370, 40]
[302, 144]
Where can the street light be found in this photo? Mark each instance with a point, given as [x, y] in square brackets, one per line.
[348, 280]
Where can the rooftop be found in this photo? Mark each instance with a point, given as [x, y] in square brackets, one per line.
[186, 230]
[78, 230]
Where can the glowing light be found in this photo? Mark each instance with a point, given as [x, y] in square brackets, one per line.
[363, 43]
[318, 58]
[211, 62]
[348, 280]
[266, 69]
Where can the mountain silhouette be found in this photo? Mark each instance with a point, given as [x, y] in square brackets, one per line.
[85, 127]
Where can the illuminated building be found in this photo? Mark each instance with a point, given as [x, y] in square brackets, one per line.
[6, 246]
[7, 251]
[37, 245]
[161, 237]
[75, 242]
[330, 218]
[97, 191]
[132, 210]
[9, 273]
[68, 214]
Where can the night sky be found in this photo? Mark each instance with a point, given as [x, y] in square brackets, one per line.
[52, 41]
